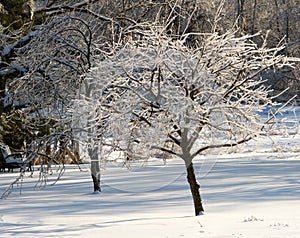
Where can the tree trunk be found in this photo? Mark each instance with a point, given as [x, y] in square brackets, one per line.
[2, 94]
[195, 189]
[95, 168]
[253, 17]
[240, 13]
[76, 152]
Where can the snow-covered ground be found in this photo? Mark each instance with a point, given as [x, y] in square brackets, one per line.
[245, 195]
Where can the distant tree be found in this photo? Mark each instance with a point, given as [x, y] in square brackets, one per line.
[155, 91]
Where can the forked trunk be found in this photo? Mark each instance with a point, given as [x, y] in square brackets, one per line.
[195, 189]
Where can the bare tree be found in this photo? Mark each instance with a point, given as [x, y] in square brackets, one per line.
[155, 91]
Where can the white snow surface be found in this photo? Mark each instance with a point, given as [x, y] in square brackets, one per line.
[245, 194]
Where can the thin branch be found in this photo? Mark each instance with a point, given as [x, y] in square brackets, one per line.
[165, 150]
[233, 144]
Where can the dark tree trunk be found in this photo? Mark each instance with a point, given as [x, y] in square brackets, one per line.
[195, 189]
[95, 168]
[96, 182]
[2, 94]
[253, 17]
[240, 13]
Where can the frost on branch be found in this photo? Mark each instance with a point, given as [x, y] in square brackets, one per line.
[156, 91]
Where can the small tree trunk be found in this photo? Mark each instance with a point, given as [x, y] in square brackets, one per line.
[2, 94]
[95, 168]
[76, 152]
[195, 189]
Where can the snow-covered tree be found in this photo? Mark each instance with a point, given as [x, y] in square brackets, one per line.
[154, 92]
[48, 65]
